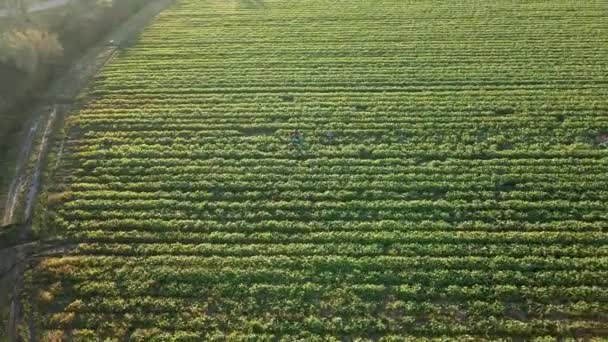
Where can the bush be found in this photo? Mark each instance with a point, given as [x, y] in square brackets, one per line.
[29, 49]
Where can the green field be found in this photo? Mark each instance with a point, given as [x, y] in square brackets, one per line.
[338, 170]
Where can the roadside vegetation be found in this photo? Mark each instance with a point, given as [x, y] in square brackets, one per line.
[29, 49]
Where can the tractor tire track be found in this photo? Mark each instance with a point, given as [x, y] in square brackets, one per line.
[20, 178]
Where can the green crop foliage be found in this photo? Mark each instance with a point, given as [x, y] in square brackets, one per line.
[352, 170]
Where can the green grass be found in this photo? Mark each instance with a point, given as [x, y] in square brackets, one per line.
[311, 170]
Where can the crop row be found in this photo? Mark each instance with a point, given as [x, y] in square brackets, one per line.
[333, 171]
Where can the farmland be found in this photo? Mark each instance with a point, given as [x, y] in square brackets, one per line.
[317, 170]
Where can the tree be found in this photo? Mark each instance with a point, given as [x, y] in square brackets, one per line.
[17, 8]
[29, 49]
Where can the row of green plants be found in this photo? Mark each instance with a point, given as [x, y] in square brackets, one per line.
[337, 171]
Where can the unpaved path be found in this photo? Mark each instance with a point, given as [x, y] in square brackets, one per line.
[15, 309]
[20, 179]
[23, 181]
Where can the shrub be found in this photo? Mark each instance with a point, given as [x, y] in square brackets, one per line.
[29, 49]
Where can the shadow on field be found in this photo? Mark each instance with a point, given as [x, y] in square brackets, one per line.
[252, 4]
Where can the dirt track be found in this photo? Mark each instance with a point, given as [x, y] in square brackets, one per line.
[19, 182]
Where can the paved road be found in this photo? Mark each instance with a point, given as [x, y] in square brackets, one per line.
[39, 6]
